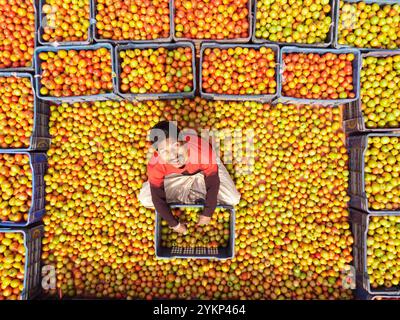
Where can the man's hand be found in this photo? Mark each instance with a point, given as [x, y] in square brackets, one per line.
[203, 220]
[180, 228]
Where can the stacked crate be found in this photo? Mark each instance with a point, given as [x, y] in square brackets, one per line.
[29, 225]
[358, 125]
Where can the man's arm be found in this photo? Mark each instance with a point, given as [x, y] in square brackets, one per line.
[212, 188]
[160, 203]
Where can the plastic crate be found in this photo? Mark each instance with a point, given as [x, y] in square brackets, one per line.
[354, 121]
[199, 41]
[38, 163]
[196, 252]
[115, 42]
[360, 224]
[40, 140]
[329, 40]
[354, 118]
[337, 16]
[33, 250]
[356, 75]
[39, 29]
[154, 96]
[32, 68]
[357, 146]
[362, 294]
[240, 97]
[72, 99]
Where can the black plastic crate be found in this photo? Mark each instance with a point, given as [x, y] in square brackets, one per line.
[112, 95]
[196, 252]
[38, 163]
[357, 146]
[337, 21]
[328, 42]
[198, 42]
[354, 120]
[33, 250]
[356, 63]
[240, 97]
[32, 67]
[360, 223]
[40, 139]
[98, 39]
[41, 16]
[160, 95]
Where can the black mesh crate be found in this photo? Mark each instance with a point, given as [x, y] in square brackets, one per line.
[196, 252]
[360, 223]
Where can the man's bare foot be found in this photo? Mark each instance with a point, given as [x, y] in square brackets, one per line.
[180, 228]
[203, 220]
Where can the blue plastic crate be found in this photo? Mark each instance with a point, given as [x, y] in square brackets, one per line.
[72, 99]
[337, 16]
[240, 97]
[327, 43]
[32, 68]
[360, 223]
[356, 75]
[154, 96]
[115, 42]
[38, 163]
[195, 252]
[199, 41]
[33, 250]
[41, 16]
[40, 140]
[357, 146]
[354, 119]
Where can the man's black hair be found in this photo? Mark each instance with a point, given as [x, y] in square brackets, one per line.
[163, 130]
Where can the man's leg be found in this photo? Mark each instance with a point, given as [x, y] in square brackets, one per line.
[228, 193]
[177, 188]
[145, 196]
[198, 189]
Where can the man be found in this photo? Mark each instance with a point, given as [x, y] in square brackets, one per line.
[185, 169]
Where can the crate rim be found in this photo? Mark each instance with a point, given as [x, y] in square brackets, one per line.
[262, 98]
[384, 297]
[149, 96]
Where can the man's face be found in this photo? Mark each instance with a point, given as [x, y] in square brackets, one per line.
[172, 152]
